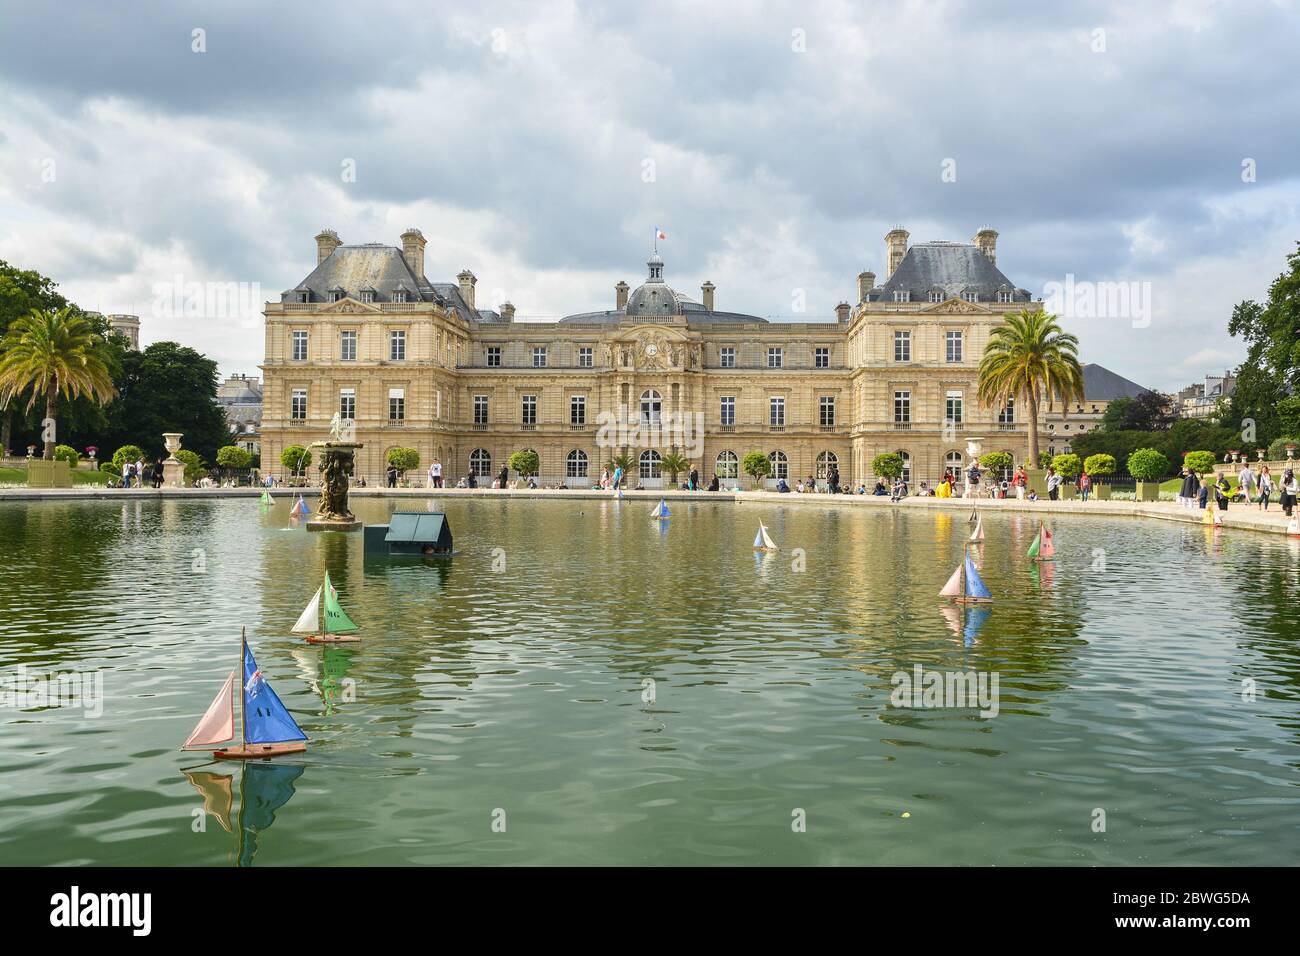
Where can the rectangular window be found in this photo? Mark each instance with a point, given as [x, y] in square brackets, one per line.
[300, 346]
[539, 356]
[494, 356]
[954, 346]
[727, 413]
[586, 357]
[828, 411]
[298, 405]
[397, 346]
[1008, 414]
[953, 408]
[480, 409]
[774, 357]
[396, 404]
[348, 403]
[727, 356]
[902, 407]
[776, 412]
[528, 410]
[902, 346]
[348, 346]
[822, 358]
[577, 410]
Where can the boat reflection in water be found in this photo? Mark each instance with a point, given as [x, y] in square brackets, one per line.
[264, 788]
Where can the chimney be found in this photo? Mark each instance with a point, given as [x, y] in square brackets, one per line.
[620, 295]
[866, 282]
[507, 311]
[896, 244]
[842, 313]
[467, 282]
[987, 242]
[413, 251]
[706, 293]
[327, 240]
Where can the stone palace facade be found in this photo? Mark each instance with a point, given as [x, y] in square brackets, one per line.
[416, 363]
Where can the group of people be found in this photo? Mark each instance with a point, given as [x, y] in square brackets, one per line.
[135, 474]
[1252, 486]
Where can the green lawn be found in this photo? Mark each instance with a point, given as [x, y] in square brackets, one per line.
[80, 476]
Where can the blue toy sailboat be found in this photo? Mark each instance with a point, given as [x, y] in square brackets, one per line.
[299, 507]
[966, 586]
[763, 541]
[662, 510]
[266, 728]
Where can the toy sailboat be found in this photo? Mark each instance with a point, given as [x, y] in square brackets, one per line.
[338, 626]
[966, 586]
[1212, 516]
[1293, 529]
[661, 510]
[974, 516]
[299, 508]
[1044, 547]
[977, 535]
[266, 498]
[266, 729]
[763, 541]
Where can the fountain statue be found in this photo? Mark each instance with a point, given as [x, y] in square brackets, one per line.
[337, 461]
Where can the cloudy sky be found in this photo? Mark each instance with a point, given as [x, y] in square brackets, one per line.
[539, 144]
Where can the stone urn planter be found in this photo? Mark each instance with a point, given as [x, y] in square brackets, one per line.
[1101, 491]
[173, 468]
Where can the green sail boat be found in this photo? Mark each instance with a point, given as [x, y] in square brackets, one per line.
[336, 628]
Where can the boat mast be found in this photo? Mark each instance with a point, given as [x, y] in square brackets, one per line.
[243, 705]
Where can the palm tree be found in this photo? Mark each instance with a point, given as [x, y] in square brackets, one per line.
[674, 463]
[58, 355]
[621, 460]
[1027, 357]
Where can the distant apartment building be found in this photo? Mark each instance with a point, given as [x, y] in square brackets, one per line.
[1203, 400]
[240, 397]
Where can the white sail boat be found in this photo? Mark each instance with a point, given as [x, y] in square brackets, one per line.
[763, 541]
[978, 534]
[337, 626]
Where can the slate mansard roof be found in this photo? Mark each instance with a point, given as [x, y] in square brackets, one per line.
[956, 269]
[1100, 384]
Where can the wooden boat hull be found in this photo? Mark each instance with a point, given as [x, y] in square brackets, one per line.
[333, 639]
[974, 600]
[260, 751]
[1041, 560]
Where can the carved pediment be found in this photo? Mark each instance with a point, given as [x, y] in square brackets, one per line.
[654, 347]
[350, 305]
[958, 305]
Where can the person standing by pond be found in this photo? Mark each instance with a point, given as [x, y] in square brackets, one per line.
[694, 478]
[616, 482]
[1246, 481]
[1190, 489]
[1085, 484]
[157, 473]
[1222, 487]
[1053, 483]
[1289, 487]
[1019, 480]
[1265, 487]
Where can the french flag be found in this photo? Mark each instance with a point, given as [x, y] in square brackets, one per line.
[660, 234]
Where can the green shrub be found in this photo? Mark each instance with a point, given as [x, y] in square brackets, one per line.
[1277, 450]
[997, 460]
[1200, 462]
[1100, 464]
[232, 456]
[66, 453]
[756, 465]
[296, 459]
[888, 465]
[1044, 460]
[124, 454]
[107, 468]
[1147, 464]
[525, 462]
[1067, 466]
[194, 469]
[403, 459]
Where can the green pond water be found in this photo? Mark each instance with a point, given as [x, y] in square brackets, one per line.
[581, 685]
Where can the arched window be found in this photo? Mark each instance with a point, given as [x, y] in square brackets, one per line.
[650, 464]
[728, 465]
[907, 465]
[480, 463]
[825, 462]
[575, 466]
[651, 406]
[780, 464]
[952, 462]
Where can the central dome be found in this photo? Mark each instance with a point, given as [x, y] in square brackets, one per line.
[654, 297]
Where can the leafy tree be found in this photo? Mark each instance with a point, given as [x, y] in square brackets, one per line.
[67, 453]
[58, 356]
[889, 465]
[124, 454]
[194, 469]
[674, 463]
[1067, 465]
[1271, 372]
[1026, 357]
[169, 388]
[1200, 462]
[1044, 460]
[1277, 450]
[756, 465]
[526, 462]
[232, 456]
[1100, 464]
[403, 459]
[1147, 464]
[997, 460]
[1148, 412]
[296, 459]
[22, 291]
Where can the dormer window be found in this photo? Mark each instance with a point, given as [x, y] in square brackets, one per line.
[903, 295]
[399, 295]
[367, 296]
[936, 296]
[304, 296]
[333, 296]
[970, 296]
[1004, 294]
